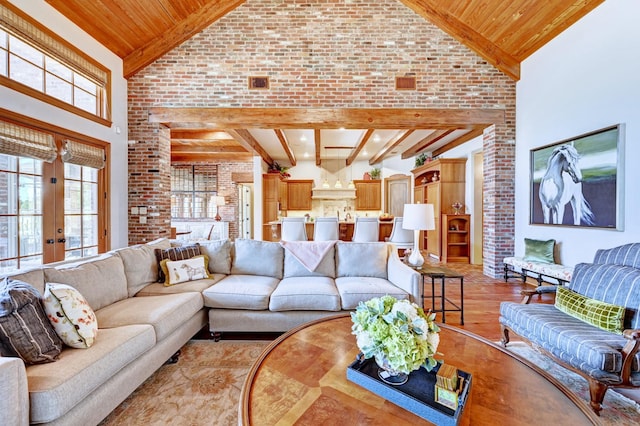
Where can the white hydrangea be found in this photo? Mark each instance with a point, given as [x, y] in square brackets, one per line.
[406, 308]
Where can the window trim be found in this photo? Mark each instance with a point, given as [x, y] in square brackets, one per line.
[104, 116]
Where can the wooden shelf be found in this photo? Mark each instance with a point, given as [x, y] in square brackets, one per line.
[455, 238]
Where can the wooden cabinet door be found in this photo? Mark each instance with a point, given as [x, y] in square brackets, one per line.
[433, 237]
[299, 194]
[368, 194]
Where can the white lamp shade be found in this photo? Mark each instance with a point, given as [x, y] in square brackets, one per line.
[418, 217]
[218, 200]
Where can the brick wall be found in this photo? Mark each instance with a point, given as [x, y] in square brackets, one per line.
[327, 54]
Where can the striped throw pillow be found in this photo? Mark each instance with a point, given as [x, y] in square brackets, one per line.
[173, 254]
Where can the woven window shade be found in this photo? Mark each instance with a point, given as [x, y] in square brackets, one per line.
[83, 155]
[26, 142]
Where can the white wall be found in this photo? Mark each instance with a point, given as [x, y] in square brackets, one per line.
[19, 103]
[585, 79]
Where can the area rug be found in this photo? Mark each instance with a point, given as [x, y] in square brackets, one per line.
[202, 388]
[616, 409]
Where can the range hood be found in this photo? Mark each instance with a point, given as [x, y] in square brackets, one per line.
[334, 194]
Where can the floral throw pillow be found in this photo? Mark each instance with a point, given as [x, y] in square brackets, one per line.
[70, 315]
[180, 271]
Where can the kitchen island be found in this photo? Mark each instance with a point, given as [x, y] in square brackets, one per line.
[345, 230]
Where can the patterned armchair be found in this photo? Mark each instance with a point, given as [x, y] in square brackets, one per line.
[594, 326]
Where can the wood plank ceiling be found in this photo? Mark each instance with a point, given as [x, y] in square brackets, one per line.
[140, 31]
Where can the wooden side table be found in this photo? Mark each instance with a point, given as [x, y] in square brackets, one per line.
[442, 274]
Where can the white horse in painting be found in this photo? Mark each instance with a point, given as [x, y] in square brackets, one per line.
[561, 184]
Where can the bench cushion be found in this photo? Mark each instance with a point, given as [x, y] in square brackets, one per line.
[582, 345]
[552, 270]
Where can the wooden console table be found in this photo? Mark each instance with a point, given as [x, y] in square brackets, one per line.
[441, 273]
[301, 378]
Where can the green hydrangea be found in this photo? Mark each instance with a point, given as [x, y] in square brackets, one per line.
[398, 331]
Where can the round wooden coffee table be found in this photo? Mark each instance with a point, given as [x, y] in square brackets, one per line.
[300, 378]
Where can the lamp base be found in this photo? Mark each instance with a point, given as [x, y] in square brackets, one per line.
[218, 218]
[415, 259]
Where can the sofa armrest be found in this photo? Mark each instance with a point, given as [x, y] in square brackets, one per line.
[14, 403]
[404, 277]
[528, 294]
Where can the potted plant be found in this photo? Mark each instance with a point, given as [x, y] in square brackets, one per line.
[375, 173]
[277, 168]
[420, 159]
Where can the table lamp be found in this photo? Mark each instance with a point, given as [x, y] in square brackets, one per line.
[218, 200]
[418, 217]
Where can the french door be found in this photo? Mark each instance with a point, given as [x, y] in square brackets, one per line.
[49, 211]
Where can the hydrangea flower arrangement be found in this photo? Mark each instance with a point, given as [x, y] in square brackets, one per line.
[397, 331]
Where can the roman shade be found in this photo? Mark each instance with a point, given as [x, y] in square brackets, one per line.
[26, 142]
[83, 154]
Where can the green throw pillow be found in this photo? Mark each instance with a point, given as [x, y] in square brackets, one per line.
[539, 251]
[601, 314]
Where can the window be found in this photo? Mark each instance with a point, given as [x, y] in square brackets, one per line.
[39, 222]
[193, 189]
[39, 64]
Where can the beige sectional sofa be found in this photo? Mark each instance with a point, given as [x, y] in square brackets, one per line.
[253, 286]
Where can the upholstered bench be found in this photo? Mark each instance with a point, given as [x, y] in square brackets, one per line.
[518, 267]
[538, 262]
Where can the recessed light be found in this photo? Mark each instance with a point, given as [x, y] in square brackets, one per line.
[303, 138]
[306, 155]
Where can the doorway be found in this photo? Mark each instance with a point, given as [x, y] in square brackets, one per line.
[245, 210]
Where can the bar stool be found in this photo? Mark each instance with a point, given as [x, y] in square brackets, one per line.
[293, 229]
[366, 229]
[325, 229]
[401, 238]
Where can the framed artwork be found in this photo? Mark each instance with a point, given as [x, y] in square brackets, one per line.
[579, 181]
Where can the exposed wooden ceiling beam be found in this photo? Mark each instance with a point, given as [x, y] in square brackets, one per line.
[244, 138]
[285, 146]
[318, 143]
[425, 142]
[203, 149]
[459, 141]
[467, 35]
[210, 157]
[386, 150]
[356, 150]
[199, 134]
[182, 31]
[327, 118]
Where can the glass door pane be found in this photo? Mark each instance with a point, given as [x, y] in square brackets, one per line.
[80, 211]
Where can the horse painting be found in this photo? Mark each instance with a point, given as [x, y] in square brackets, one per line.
[561, 184]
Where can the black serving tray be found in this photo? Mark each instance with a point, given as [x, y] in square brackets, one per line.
[416, 396]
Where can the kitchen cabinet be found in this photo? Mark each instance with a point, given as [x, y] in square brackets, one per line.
[271, 197]
[299, 194]
[441, 183]
[368, 194]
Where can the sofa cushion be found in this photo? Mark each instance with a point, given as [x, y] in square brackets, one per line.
[71, 316]
[182, 271]
[305, 293]
[56, 388]
[354, 290]
[241, 292]
[158, 289]
[294, 268]
[361, 259]
[101, 281]
[25, 330]
[34, 277]
[253, 257]
[586, 346]
[219, 253]
[164, 313]
[539, 250]
[624, 255]
[174, 253]
[603, 315]
[140, 265]
[615, 284]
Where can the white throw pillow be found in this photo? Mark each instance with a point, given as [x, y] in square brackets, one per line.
[70, 314]
[180, 271]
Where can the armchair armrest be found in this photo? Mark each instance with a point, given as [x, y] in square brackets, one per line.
[528, 294]
[14, 403]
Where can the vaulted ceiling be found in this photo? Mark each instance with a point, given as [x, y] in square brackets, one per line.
[140, 31]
